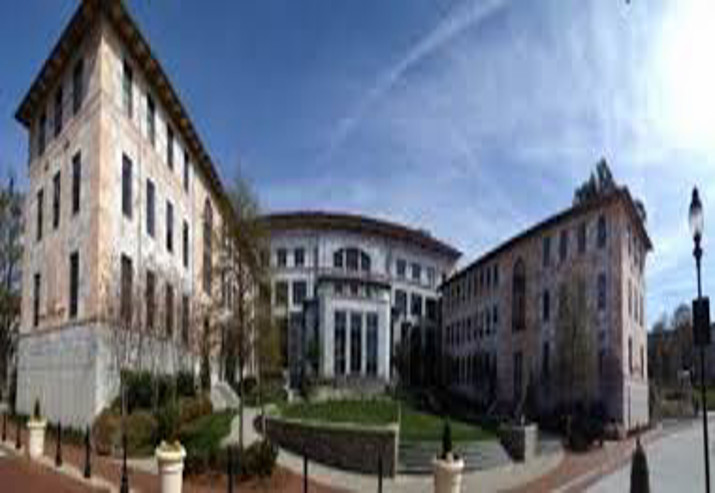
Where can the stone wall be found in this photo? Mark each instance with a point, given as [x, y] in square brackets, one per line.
[344, 446]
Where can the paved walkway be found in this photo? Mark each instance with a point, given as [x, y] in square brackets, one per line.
[675, 463]
[22, 476]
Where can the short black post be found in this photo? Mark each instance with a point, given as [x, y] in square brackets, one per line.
[379, 473]
[58, 454]
[305, 472]
[229, 450]
[4, 426]
[18, 434]
[124, 486]
[87, 455]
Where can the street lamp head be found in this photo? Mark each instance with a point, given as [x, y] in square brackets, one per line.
[695, 216]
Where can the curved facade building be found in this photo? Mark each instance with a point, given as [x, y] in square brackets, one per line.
[348, 290]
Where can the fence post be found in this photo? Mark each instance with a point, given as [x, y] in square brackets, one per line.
[18, 434]
[87, 455]
[379, 473]
[58, 454]
[4, 426]
[305, 472]
[229, 450]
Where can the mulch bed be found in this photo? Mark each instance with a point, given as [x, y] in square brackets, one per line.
[109, 469]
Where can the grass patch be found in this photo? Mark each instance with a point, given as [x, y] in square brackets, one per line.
[414, 426]
[363, 412]
[207, 431]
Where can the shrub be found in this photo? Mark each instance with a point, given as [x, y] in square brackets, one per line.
[139, 389]
[141, 433]
[639, 471]
[167, 420]
[106, 432]
[446, 439]
[185, 384]
[193, 408]
[258, 459]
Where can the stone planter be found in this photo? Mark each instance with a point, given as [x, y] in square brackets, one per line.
[520, 441]
[170, 460]
[448, 475]
[36, 440]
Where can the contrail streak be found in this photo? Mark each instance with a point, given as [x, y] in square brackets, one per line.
[454, 24]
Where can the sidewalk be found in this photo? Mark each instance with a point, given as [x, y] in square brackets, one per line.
[20, 475]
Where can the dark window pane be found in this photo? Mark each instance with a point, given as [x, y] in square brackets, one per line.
[76, 182]
[77, 87]
[74, 285]
[126, 186]
[150, 208]
[56, 196]
[58, 111]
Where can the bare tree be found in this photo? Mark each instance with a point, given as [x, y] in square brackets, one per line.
[11, 229]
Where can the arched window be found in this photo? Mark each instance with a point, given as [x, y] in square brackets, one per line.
[352, 259]
[208, 244]
[518, 296]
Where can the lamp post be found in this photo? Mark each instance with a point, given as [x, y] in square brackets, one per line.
[701, 318]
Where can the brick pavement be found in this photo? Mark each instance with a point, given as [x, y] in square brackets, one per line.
[21, 475]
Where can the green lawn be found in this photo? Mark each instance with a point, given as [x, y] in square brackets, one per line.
[414, 426]
[207, 431]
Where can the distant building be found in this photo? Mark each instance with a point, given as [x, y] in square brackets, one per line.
[349, 290]
[500, 313]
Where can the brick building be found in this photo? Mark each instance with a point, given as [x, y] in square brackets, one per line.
[500, 313]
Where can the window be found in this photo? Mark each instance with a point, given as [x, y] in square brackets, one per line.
[372, 344]
[416, 272]
[338, 259]
[564, 245]
[340, 328]
[355, 342]
[364, 262]
[41, 134]
[518, 378]
[169, 311]
[170, 147]
[56, 194]
[185, 320]
[77, 87]
[282, 257]
[36, 300]
[416, 305]
[495, 316]
[299, 257]
[187, 167]
[74, 285]
[208, 245]
[601, 237]
[431, 309]
[545, 361]
[546, 312]
[169, 226]
[281, 293]
[630, 299]
[401, 301]
[58, 111]
[431, 277]
[76, 182]
[300, 292]
[401, 268]
[351, 259]
[128, 90]
[126, 186]
[630, 355]
[338, 287]
[601, 291]
[151, 119]
[126, 286]
[496, 275]
[186, 244]
[150, 208]
[582, 238]
[150, 296]
[40, 207]
[518, 312]
[642, 364]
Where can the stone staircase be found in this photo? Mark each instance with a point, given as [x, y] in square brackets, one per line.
[416, 458]
[223, 397]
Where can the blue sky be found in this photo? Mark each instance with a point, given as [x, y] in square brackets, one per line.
[470, 118]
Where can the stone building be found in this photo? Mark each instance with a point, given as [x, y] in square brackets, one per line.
[501, 314]
[348, 290]
[122, 193]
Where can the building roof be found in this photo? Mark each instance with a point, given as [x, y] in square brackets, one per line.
[319, 220]
[620, 194]
[83, 20]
